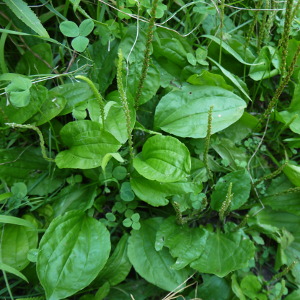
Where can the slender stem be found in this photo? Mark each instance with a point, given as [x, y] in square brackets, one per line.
[124, 102]
[207, 142]
[146, 61]
[96, 94]
[37, 130]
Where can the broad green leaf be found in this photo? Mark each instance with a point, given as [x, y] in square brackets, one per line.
[79, 196]
[241, 187]
[214, 288]
[30, 65]
[53, 104]
[164, 159]
[15, 242]
[88, 143]
[132, 49]
[235, 157]
[20, 115]
[185, 243]
[210, 79]
[288, 202]
[251, 287]
[18, 91]
[224, 253]
[267, 219]
[242, 128]
[275, 219]
[118, 265]
[26, 15]
[86, 27]
[155, 193]
[152, 265]
[115, 119]
[73, 250]
[18, 163]
[293, 173]
[103, 71]
[184, 112]
[151, 83]
[75, 93]
[80, 43]
[172, 49]
[12, 270]
[69, 28]
[129, 290]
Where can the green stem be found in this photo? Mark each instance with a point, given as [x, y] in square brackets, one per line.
[96, 94]
[124, 102]
[207, 142]
[37, 130]
[286, 32]
[146, 61]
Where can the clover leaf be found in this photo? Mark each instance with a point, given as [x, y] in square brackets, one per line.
[79, 33]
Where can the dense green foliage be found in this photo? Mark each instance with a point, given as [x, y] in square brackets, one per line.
[150, 147]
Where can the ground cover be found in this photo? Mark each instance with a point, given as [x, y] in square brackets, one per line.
[149, 149]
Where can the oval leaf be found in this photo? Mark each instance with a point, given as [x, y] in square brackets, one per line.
[15, 242]
[185, 243]
[72, 252]
[86, 27]
[164, 159]
[153, 266]
[155, 193]
[80, 43]
[231, 251]
[69, 28]
[88, 144]
[184, 112]
[118, 265]
[241, 187]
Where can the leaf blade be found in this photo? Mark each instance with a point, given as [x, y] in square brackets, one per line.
[72, 252]
[26, 15]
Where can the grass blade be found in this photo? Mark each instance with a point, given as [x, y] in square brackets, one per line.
[26, 15]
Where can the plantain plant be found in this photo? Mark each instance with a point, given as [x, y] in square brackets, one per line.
[156, 156]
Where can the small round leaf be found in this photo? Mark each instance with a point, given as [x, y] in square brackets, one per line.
[86, 27]
[127, 222]
[110, 217]
[119, 173]
[80, 43]
[69, 28]
[126, 192]
[136, 225]
[135, 217]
